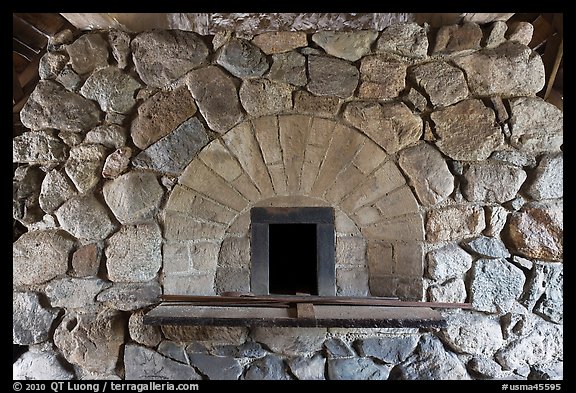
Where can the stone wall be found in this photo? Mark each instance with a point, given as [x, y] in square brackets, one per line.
[144, 153]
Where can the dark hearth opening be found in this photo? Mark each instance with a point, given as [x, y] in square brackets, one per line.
[293, 262]
[293, 251]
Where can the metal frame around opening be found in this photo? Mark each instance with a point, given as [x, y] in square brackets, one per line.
[322, 217]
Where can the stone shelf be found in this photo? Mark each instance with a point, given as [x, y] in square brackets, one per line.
[347, 316]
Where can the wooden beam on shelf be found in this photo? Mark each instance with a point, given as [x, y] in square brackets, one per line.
[553, 53]
[345, 316]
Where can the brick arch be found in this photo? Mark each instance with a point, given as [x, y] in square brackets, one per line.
[275, 158]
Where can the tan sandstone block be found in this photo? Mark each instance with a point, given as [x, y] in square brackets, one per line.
[380, 257]
[184, 226]
[294, 130]
[185, 200]
[342, 149]
[243, 144]
[199, 177]
[398, 202]
[219, 159]
[245, 187]
[381, 182]
[408, 228]
[321, 133]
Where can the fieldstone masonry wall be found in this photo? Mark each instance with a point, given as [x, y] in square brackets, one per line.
[144, 153]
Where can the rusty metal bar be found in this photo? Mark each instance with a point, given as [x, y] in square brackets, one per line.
[272, 300]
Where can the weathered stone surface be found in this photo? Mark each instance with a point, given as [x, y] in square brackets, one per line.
[548, 178]
[280, 41]
[289, 68]
[452, 291]
[456, 38]
[86, 260]
[392, 126]
[325, 106]
[249, 349]
[71, 138]
[336, 348]
[475, 334]
[175, 351]
[520, 32]
[212, 335]
[51, 64]
[537, 126]
[190, 257]
[217, 98]
[134, 197]
[117, 163]
[133, 254]
[496, 284]
[85, 165]
[430, 362]
[350, 251]
[112, 136]
[542, 345]
[242, 59]
[487, 247]
[88, 53]
[74, 292]
[492, 182]
[331, 77]
[516, 203]
[161, 114]
[495, 34]
[216, 367]
[544, 292]
[39, 256]
[91, 341]
[163, 56]
[30, 321]
[112, 89]
[269, 367]
[346, 45]
[405, 39]
[484, 367]
[26, 187]
[120, 43]
[416, 101]
[69, 79]
[172, 153]
[454, 222]
[131, 296]
[466, 131]
[382, 78]
[235, 252]
[142, 363]
[262, 97]
[63, 37]
[430, 176]
[357, 369]
[40, 366]
[38, 147]
[52, 106]
[511, 69]
[444, 84]
[308, 368]
[392, 350]
[290, 341]
[352, 281]
[536, 231]
[547, 372]
[147, 335]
